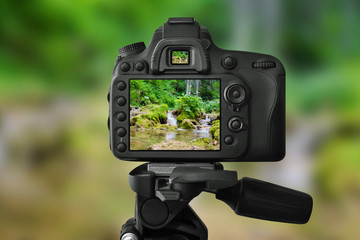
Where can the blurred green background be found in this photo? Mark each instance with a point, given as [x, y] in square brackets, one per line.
[58, 178]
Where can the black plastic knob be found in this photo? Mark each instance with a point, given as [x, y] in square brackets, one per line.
[236, 124]
[131, 49]
[121, 101]
[121, 147]
[228, 62]
[229, 140]
[121, 116]
[121, 132]
[121, 85]
[235, 94]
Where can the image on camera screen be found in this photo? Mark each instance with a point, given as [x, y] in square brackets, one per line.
[175, 115]
[180, 57]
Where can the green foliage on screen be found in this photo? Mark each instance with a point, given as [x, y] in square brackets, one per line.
[180, 57]
[189, 104]
[175, 94]
[145, 92]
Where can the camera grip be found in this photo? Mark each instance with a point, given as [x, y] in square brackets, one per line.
[263, 200]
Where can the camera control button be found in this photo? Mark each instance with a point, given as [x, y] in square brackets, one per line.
[125, 67]
[121, 101]
[139, 66]
[121, 147]
[235, 94]
[228, 62]
[121, 132]
[121, 85]
[235, 124]
[229, 140]
[121, 116]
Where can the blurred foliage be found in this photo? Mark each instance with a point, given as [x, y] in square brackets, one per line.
[58, 179]
[71, 45]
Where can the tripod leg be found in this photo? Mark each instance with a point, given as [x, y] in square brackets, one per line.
[129, 231]
[189, 223]
[185, 226]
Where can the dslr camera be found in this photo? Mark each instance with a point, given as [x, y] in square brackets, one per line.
[183, 99]
[183, 105]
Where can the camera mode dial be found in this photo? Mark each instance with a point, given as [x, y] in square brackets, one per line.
[131, 49]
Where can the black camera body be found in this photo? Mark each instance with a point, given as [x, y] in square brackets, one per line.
[251, 87]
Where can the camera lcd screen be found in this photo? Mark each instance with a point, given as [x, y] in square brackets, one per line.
[180, 57]
[175, 115]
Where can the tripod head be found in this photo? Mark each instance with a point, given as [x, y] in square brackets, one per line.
[164, 191]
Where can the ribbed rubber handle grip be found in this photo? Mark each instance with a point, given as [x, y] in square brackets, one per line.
[263, 200]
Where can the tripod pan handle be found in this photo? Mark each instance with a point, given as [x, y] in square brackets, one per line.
[263, 200]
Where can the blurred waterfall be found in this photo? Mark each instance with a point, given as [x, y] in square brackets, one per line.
[256, 25]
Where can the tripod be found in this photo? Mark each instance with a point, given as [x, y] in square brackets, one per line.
[164, 190]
